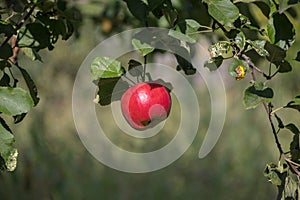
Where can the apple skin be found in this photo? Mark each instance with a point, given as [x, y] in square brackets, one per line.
[146, 104]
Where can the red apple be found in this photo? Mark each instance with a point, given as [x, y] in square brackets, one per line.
[146, 104]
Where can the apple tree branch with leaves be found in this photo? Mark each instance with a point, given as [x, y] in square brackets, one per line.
[26, 27]
[244, 43]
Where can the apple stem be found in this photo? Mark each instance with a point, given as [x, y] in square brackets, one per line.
[145, 64]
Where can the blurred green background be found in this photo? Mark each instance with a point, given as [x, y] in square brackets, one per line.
[54, 164]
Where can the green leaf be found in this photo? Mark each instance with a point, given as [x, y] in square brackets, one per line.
[15, 101]
[273, 175]
[293, 128]
[153, 4]
[32, 54]
[298, 57]
[279, 121]
[107, 91]
[4, 64]
[276, 54]
[5, 80]
[135, 68]
[138, 9]
[186, 31]
[170, 13]
[224, 11]
[284, 67]
[281, 31]
[265, 6]
[214, 63]
[5, 51]
[291, 189]
[240, 40]
[271, 30]
[143, 48]
[104, 67]
[258, 46]
[7, 151]
[256, 94]
[191, 29]
[286, 4]
[34, 35]
[219, 49]
[180, 36]
[7, 29]
[19, 118]
[238, 68]
[183, 63]
[295, 148]
[31, 85]
[295, 104]
[56, 26]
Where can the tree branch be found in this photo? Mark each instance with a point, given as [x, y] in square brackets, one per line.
[268, 109]
[253, 66]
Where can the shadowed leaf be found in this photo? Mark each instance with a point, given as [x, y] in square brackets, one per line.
[111, 89]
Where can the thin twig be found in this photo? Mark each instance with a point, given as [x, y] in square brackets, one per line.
[253, 66]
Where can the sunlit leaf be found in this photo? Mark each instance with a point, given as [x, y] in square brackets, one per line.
[180, 36]
[219, 49]
[256, 94]
[7, 151]
[15, 101]
[143, 48]
[32, 54]
[273, 175]
[191, 29]
[258, 46]
[294, 104]
[224, 11]
[104, 67]
[240, 40]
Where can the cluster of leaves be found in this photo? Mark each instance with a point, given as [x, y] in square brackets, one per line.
[244, 42]
[27, 27]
